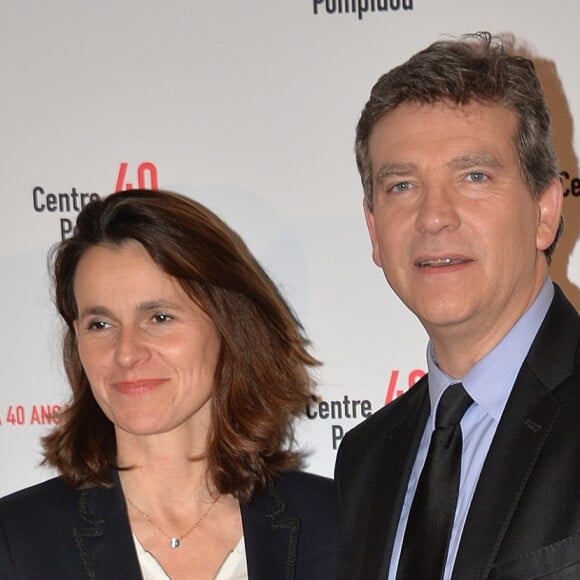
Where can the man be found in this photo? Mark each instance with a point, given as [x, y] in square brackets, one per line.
[463, 205]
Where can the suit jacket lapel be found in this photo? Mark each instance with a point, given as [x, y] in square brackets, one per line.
[393, 464]
[270, 535]
[526, 423]
[103, 536]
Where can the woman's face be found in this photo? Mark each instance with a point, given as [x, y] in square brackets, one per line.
[148, 350]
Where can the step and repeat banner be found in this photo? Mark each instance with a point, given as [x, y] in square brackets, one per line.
[250, 108]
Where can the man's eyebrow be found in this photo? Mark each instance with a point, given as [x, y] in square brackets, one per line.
[483, 159]
[395, 169]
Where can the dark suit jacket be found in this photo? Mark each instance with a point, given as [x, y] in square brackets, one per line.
[524, 520]
[52, 532]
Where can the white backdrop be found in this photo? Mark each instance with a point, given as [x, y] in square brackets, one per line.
[250, 108]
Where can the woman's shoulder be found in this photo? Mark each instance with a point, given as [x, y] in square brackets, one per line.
[54, 498]
[35, 516]
[294, 492]
[308, 495]
[311, 499]
[301, 483]
[42, 501]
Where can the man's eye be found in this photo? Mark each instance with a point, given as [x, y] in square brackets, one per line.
[400, 187]
[477, 176]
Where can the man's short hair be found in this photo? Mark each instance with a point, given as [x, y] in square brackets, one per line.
[475, 68]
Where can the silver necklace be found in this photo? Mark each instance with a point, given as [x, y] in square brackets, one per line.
[174, 541]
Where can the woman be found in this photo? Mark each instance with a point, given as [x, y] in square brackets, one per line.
[187, 369]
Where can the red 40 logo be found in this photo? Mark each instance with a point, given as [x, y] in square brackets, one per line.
[393, 392]
[146, 177]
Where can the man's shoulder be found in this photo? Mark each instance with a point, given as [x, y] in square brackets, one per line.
[562, 315]
[391, 415]
[555, 353]
[366, 443]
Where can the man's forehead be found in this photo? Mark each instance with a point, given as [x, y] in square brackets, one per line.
[419, 121]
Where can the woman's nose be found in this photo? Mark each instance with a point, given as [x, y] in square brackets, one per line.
[131, 347]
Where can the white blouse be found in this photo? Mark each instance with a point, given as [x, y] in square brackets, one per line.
[234, 567]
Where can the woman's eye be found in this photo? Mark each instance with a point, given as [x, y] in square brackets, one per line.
[98, 325]
[161, 318]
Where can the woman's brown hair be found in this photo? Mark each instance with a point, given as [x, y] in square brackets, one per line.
[262, 377]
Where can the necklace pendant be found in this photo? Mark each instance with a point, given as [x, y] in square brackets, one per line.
[175, 542]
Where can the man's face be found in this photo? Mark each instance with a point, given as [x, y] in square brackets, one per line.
[454, 226]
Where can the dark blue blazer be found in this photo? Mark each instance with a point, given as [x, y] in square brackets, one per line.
[51, 531]
[524, 519]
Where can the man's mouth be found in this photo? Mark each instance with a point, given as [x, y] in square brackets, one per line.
[440, 262]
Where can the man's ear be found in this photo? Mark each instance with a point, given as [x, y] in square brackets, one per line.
[370, 219]
[550, 204]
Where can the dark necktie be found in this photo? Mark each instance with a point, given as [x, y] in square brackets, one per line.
[426, 539]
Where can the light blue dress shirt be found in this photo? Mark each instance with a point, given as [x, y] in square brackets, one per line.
[489, 383]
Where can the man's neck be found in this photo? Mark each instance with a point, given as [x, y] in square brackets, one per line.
[459, 347]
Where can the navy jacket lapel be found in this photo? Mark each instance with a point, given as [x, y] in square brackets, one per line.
[271, 536]
[103, 536]
[529, 417]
